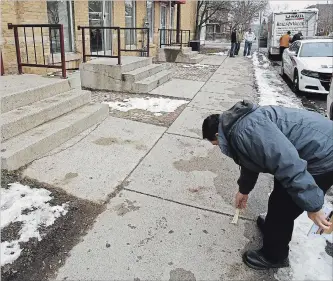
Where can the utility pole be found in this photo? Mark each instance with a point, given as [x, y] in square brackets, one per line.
[260, 15]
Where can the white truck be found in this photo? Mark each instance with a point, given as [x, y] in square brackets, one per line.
[279, 23]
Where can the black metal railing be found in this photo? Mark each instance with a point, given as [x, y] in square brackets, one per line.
[101, 42]
[39, 40]
[174, 37]
[136, 39]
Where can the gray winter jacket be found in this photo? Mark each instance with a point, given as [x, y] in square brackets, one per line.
[292, 144]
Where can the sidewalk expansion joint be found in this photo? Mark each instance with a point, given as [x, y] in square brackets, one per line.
[124, 183]
[179, 135]
[186, 205]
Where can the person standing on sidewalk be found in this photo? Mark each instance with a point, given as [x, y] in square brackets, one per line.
[284, 42]
[233, 42]
[239, 37]
[249, 38]
[294, 145]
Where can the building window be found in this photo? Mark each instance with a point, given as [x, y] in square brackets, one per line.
[172, 17]
[150, 18]
[130, 35]
[100, 14]
[61, 13]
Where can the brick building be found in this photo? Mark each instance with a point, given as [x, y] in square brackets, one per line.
[122, 13]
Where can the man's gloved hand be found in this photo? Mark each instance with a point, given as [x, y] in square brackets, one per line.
[241, 200]
[319, 218]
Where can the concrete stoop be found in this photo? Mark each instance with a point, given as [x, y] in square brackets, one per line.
[41, 114]
[175, 54]
[134, 75]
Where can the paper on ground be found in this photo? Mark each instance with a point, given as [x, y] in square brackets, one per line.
[155, 105]
[30, 207]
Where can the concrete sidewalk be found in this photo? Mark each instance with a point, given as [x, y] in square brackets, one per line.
[169, 195]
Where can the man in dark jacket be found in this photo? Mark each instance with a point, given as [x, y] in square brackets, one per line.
[233, 42]
[297, 36]
[294, 145]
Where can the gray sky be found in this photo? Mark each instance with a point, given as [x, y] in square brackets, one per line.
[294, 4]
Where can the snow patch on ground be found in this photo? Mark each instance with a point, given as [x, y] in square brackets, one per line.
[219, 54]
[270, 87]
[21, 203]
[308, 259]
[155, 105]
[197, 65]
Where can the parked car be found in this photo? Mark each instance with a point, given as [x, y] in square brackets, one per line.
[309, 64]
[330, 102]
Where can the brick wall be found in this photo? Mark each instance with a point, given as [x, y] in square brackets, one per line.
[20, 12]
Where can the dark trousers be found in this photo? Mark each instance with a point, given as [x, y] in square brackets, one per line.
[233, 49]
[237, 48]
[279, 222]
[247, 48]
[281, 51]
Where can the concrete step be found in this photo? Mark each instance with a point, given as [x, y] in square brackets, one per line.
[142, 73]
[186, 50]
[27, 117]
[152, 82]
[197, 59]
[35, 143]
[191, 54]
[33, 88]
[107, 67]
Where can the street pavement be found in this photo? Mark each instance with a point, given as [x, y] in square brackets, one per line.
[169, 194]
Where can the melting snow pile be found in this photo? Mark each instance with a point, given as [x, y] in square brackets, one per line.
[270, 86]
[308, 259]
[30, 207]
[155, 105]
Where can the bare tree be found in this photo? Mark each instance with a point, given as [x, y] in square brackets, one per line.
[244, 12]
[53, 12]
[206, 10]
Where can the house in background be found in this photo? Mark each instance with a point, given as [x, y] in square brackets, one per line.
[325, 18]
[150, 14]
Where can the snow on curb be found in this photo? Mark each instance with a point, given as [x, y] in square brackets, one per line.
[155, 105]
[270, 86]
[21, 203]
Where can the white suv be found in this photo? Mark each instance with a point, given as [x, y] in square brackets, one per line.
[330, 102]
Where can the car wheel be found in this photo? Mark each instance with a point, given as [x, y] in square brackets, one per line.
[331, 113]
[296, 82]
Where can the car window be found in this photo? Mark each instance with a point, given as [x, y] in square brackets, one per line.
[317, 49]
[297, 46]
[292, 47]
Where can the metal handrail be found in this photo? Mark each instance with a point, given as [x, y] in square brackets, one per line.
[2, 67]
[50, 27]
[180, 39]
[145, 33]
[83, 28]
